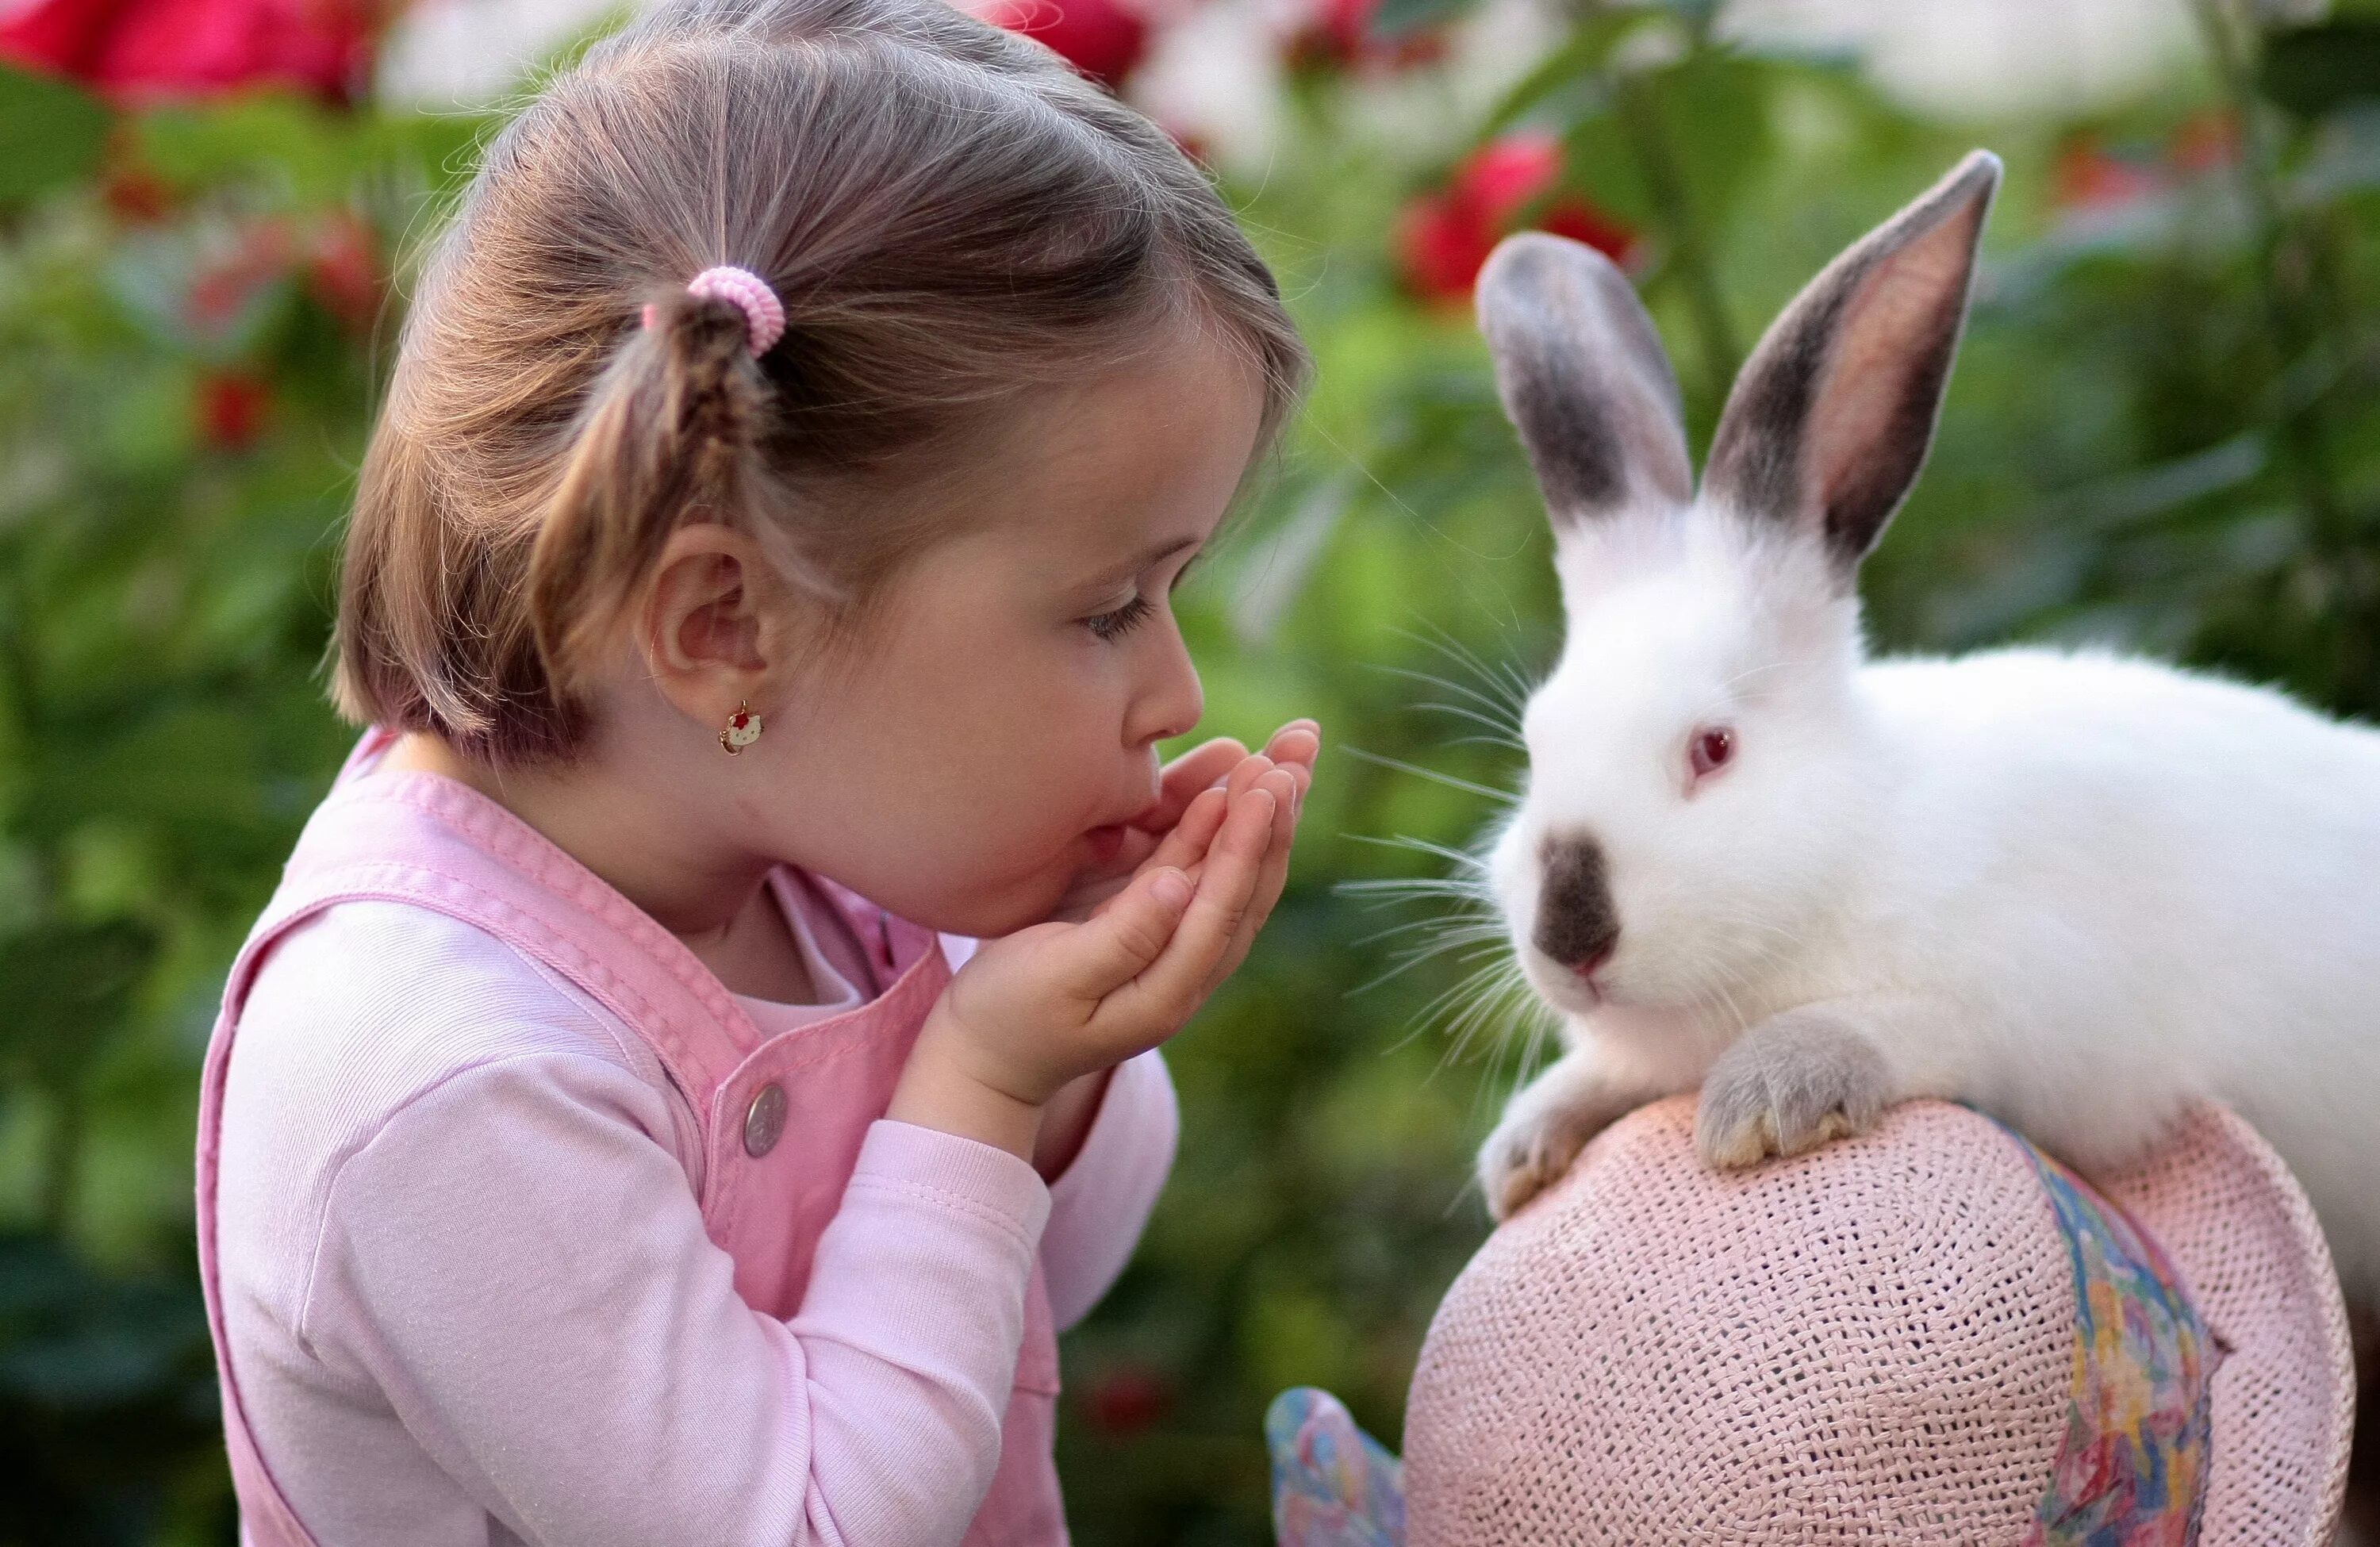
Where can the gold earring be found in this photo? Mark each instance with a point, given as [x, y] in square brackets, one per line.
[743, 729]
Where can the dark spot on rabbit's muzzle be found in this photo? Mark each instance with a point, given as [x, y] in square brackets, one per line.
[1577, 924]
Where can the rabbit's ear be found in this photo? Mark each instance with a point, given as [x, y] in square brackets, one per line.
[1831, 418]
[1582, 377]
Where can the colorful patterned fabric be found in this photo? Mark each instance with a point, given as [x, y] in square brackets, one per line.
[2133, 1470]
[1333, 1484]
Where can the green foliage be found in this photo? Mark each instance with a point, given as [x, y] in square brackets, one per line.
[2165, 432]
[54, 132]
[190, 347]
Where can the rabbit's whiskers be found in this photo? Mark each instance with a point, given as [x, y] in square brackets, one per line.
[1504, 681]
[1501, 796]
[1419, 846]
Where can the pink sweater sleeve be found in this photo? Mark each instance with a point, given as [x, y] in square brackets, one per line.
[1101, 1202]
[518, 1264]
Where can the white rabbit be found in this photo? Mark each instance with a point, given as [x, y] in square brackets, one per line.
[2073, 887]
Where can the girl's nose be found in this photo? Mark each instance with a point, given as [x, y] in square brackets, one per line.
[1171, 701]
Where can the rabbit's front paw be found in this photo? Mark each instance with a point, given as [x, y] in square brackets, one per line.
[1522, 1158]
[1793, 1083]
[1542, 1131]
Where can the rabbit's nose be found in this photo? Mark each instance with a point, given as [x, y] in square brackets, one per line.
[1586, 969]
[1577, 923]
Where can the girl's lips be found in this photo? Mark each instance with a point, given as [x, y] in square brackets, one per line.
[1107, 840]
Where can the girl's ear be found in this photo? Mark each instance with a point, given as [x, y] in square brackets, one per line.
[1831, 418]
[1583, 378]
[708, 626]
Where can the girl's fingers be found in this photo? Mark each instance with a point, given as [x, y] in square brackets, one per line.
[1250, 769]
[1116, 945]
[1273, 875]
[1255, 767]
[1176, 982]
[1294, 747]
[1186, 845]
[1188, 776]
[1300, 741]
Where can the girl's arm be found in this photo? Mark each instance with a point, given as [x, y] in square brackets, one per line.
[515, 1261]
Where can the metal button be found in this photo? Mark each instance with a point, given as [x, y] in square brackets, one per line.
[765, 1121]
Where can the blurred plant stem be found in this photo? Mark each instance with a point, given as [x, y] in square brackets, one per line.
[1640, 112]
[62, 1160]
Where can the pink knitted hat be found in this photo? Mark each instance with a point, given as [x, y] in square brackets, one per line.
[1931, 1334]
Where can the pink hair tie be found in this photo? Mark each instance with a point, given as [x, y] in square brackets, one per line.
[764, 315]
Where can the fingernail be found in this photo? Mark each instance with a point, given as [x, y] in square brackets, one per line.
[1171, 887]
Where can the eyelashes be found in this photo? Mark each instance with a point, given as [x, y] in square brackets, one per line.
[1133, 614]
[1122, 621]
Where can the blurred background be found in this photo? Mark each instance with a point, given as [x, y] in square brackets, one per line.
[2164, 433]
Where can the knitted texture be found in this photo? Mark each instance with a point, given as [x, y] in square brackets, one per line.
[1930, 1334]
[1872, 1344]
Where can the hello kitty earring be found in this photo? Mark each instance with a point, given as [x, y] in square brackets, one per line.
[743, 729]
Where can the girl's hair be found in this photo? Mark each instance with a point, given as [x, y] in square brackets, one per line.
[953, 220]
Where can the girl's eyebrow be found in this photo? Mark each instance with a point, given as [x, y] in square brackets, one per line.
[1132, 567]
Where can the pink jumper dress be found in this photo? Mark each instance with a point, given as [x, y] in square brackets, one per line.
[778, 1129]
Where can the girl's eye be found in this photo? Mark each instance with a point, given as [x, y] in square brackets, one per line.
[1115, 625]
[1713, 744]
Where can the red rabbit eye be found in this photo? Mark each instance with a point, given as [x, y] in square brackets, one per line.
[1712, 746]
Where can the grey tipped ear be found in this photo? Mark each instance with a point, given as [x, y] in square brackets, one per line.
[1582, 377]
[1831, 419]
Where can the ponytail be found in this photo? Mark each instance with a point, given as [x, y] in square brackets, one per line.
[670, 427]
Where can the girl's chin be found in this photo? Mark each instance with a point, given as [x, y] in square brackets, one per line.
[1000, 908]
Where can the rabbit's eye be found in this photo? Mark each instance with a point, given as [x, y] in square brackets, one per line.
[1712, 746]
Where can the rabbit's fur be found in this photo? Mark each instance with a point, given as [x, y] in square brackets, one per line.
[2074, 887]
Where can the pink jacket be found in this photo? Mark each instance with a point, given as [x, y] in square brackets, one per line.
[516, 1226]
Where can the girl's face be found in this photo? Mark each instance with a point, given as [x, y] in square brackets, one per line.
[1001, 719]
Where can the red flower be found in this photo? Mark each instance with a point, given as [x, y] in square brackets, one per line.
[144, 50]
[1127, 1399]
[2088, 176]
[231, 408]
[1339, 32]
[1104, 39]
[1444, 237]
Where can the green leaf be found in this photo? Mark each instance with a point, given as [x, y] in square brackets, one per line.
[1715, 107]
[69, 987]
[1570, 74]
[2314, 69]
[54, 131]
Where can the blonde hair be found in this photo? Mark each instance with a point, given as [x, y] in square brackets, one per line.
[953, 219]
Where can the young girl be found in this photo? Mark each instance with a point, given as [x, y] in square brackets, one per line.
[757, 593]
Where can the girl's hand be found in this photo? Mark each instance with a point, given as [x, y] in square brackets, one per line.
[1186, 778]
[1032, 1010]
